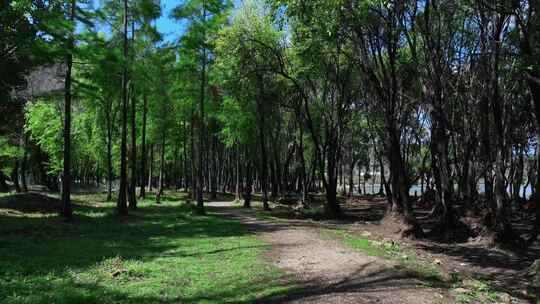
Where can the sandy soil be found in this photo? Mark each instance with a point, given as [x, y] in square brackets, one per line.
[329, 272]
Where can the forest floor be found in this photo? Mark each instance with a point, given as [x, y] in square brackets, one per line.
[158, 254]
[325, 270]
[355, 261]
[165, 254]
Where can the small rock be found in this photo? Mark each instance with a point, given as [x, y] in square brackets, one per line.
[366, 234]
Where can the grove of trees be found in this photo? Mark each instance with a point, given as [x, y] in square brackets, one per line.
[280, 98]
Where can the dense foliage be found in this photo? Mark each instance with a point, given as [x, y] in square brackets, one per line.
[435, 98]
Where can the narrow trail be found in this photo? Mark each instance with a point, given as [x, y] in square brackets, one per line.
[326, 270]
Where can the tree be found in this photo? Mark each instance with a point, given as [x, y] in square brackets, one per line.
[121, 204]
[66, 176]
[205, 18]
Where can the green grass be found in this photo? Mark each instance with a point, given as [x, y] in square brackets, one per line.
[159, 254]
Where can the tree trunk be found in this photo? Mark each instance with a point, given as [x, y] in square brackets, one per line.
[121, 204]
[441, 170]
[302, 165]
[401, 204]
[66, 176]
[161, 171]
[237, 187]
[534, 85]
[202, 138]
[151, 168]
[24, 162]
[109, 156]
[142, 193]
[332, 207]
[248, 187]
[262, 142]
[15, 176]
[132, 196]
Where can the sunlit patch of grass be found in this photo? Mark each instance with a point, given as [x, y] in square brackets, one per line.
[158, 254]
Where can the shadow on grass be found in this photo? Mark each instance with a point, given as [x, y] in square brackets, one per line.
[42, 257]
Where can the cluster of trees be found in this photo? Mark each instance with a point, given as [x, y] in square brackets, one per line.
[283, 96]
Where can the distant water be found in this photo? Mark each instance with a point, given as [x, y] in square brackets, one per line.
[374, 189]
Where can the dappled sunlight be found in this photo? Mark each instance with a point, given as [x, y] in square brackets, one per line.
[159, 253]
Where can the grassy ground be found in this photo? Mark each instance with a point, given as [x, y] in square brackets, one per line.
[159, 254]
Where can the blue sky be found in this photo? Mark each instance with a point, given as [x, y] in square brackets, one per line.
[170, 28]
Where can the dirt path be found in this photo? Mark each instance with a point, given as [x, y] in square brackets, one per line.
[327, 271]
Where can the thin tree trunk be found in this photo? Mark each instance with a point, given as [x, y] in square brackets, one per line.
[121, 204]
[200, 202]
[142, 193]
[161, 171]
[15, 176]
[262, 142]
[151, 168]
[67, 211]
[109, 156]
[24, 162]
[132, 196]
[237, 188]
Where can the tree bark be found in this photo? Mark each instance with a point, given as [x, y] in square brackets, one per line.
[67, 211]
[161, 170]
[132, 196]
[142, 193]
[121, 204]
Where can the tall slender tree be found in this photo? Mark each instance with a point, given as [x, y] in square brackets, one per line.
[121, 204]
[66, 174]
